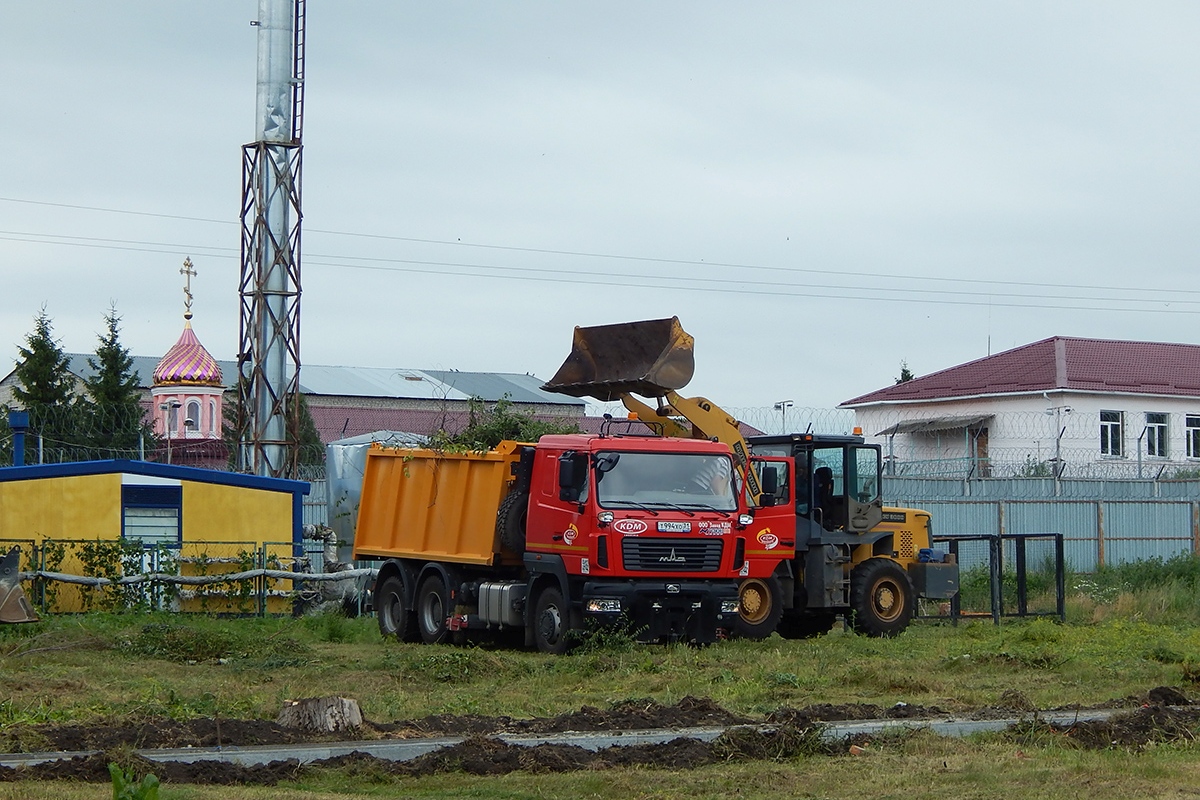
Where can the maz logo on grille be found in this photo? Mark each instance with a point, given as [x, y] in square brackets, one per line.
[690, 555]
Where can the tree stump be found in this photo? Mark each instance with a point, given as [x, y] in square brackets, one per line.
[321, 714]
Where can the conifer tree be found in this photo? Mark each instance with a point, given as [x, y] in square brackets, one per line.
[115, 411]
[45, 388]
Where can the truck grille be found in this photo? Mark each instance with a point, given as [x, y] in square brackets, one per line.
[671, 555]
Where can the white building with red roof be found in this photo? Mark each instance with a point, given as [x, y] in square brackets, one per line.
[1059, 406]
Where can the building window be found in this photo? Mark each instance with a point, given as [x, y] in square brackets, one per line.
[1110, 433]
[152, 515]
[1156, 435]
[192, 423]
[212, 416]
[1193, 436]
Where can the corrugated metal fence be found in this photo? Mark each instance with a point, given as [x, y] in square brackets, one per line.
[1102, 522]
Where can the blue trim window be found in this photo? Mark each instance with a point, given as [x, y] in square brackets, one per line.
[152, 515]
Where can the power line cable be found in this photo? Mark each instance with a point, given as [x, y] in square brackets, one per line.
[729, 285]
[621, 257]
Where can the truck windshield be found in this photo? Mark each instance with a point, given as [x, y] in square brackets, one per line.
[689, 481]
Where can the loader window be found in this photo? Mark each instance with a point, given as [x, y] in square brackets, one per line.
[864, 477]
[691, 481]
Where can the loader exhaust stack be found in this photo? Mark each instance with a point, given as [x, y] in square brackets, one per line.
[648, 358]
[14, 607]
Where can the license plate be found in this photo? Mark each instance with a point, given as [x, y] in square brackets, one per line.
[674, 527]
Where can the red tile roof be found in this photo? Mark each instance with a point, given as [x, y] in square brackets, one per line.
[1060, 362]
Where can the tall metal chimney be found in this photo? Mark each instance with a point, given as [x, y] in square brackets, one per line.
[269, 348]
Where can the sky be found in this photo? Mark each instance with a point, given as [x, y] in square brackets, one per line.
[819, 191]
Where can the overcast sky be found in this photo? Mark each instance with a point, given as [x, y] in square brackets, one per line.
[819, 191]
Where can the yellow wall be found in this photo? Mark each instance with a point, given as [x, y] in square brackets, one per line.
[215, 513]
[78, 507]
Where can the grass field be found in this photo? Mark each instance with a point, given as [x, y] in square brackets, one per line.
[1123, 637]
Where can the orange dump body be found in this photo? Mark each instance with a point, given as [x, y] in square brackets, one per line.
[433, 505]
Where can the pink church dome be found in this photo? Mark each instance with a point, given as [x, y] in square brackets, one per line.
[188, 363]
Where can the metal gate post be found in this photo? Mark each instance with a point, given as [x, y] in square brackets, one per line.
[996, 548]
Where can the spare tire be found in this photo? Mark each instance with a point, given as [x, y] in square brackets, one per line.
[510, 520]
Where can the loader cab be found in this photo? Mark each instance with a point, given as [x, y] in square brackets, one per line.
[838, 478]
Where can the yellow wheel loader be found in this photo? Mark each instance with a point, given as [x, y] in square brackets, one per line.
[822, 544]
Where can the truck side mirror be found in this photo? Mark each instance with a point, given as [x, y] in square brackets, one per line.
[572, 475]
[769, 480]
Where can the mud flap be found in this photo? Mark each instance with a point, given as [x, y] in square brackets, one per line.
[14, 607]
[647, 358]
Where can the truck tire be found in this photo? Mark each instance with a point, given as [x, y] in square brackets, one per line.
[551, 622]
[805, 624]
[394, 619]
[433, 607]
[881, 598]
[510, 521]
[760, 606]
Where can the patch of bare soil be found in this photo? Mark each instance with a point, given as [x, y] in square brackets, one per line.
[1135, 730]
[1164, 715]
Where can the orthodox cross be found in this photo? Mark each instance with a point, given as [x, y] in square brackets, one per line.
[187, 272]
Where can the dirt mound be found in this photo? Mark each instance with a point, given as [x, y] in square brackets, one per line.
[825, 712]
[690, 712]
[1135, 730]
[154, 733]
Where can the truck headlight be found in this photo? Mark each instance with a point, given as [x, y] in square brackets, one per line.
[745, 520]
[603, 605]
[604, 518]
[729, 606]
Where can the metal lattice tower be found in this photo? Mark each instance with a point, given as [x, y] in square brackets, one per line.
[269, 346]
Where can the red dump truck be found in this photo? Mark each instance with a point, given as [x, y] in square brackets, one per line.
[548, 538]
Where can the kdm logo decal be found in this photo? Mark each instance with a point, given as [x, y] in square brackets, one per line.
[767, 539]
[629, 526]
[570, 533]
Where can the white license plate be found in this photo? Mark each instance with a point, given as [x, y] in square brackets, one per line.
[674, 527]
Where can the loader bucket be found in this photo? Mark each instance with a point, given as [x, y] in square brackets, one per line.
[13, 605]
[648, 358]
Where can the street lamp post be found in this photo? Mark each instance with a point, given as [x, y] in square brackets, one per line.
[782, 406]
[168, 410]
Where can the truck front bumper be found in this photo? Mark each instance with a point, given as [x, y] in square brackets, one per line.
[657, 611]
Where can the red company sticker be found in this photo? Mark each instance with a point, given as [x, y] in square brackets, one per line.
[629, 526]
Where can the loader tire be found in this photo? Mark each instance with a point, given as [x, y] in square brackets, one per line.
[510, 521]
[433, 608]
[394, 619]
[760, 607]
[805, 624]
[881, 598]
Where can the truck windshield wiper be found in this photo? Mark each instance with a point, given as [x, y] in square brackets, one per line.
[700, 507]
[628, 504]
[682, 507]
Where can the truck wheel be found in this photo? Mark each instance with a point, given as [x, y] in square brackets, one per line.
[550, 622]
[433, 607]
[760, 605]
[805, 624]
[394, 618]
[881, 598]
[510, 521]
